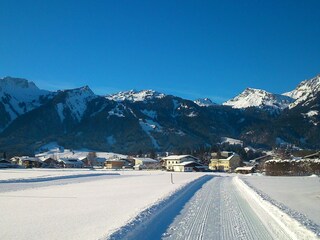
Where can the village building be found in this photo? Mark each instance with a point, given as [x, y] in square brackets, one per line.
[224, 161]
[189, 166]
[146, 163]
[99, 162]
[71, 163]
[172, 160]
[27, 162]
[114, 164]
[245, 170]
[49, 162]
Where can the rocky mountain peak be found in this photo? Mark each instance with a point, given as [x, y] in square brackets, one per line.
[204, 102]
[135, 96]
[259, 98]
[305, 91]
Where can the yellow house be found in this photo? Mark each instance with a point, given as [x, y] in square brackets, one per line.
[225, 161]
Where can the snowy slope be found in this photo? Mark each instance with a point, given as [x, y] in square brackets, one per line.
[76, 102]
[305, 91]
[135, 96]
[204, 102]
[251, 97]
[19, 96]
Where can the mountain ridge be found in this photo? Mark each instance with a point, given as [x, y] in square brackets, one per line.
[147, 120]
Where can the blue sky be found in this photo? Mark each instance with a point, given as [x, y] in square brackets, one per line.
[192, 49]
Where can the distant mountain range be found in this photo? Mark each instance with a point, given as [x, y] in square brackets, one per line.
[133, 121]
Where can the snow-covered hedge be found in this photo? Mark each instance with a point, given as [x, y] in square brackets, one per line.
[292, 168]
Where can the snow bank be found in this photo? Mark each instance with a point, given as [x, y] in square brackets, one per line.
[290, 226]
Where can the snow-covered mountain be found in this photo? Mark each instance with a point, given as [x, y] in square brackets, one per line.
[305, 92]
[18, 96]
[262, 99]
[76, 102]
[204, 102]
[135, 96]
[133, 120]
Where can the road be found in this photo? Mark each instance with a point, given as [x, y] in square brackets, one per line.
[217, 210]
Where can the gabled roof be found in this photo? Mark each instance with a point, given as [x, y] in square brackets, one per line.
[147, 160]
[70, 161]
[178, 157]
[187, 163]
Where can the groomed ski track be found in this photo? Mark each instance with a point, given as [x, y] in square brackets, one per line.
[219, 207]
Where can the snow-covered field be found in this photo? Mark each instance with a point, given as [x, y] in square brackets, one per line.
[100, 204]
[298, 196]
[80, 210]
[38, 174]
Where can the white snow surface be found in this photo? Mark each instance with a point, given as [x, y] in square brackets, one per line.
[101, 204]
[231, 141]
[297, 196]
[135, 96]
[312, 113]
[85, 209]
[251, 97]
[214, 207]
[149, 126]
[60, 109]
[117, 111]
[305, 91]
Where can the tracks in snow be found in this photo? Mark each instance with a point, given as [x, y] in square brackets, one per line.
[217, 211]
[218, 208]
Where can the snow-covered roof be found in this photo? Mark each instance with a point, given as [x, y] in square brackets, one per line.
[115, 160]
[244, 168]
[70, 160]
[27, 158]
[185, 163]
[147, 160]
[178, 157]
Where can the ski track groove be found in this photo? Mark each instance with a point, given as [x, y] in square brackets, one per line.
[218, 211]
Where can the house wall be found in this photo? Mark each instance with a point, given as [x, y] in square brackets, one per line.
[235, 162]
[169, 163]
[224, 164]
[219, 164]
[113, 165]
[182, 169]
[178, 168]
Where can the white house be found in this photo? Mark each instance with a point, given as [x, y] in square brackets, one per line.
[189, 166]
[172, 160]
[146, 163]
